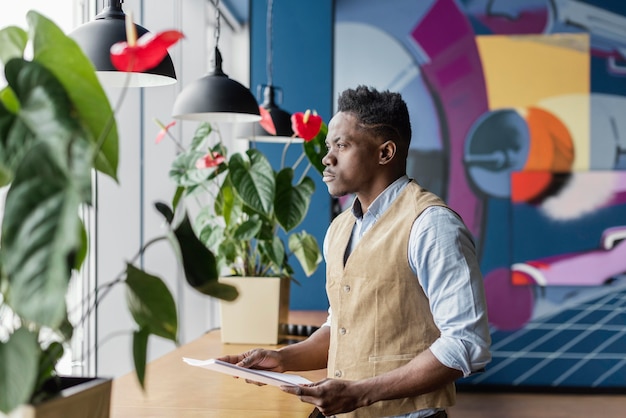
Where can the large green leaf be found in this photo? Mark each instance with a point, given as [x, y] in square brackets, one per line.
[254, 181]
[40, 238]
[51, 157]
[19, 357]
[304, 246]
[199, 264]
[292, 203]
[151, 303]
[140, 354]
[13, 144]
[45, 114]
[13, 41]
[64, 58]
[43, 111]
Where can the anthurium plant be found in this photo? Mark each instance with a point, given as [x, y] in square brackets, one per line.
[251, 222]
[56, 127]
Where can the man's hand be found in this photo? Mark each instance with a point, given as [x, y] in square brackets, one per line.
[310, 354]
[330, 396]
[257, 358]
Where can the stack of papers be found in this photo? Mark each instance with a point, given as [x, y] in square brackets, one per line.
[261, 376]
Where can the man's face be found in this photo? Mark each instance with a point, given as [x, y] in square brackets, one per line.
[352, 160]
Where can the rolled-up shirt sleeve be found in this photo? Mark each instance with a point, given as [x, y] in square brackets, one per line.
[443, 256]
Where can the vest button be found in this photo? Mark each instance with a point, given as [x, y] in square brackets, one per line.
[338, 373]
[342, 331]
[346, 288]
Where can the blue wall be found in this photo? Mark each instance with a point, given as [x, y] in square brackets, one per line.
[302, 67]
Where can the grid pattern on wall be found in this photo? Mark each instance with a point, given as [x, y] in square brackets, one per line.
[581, 345]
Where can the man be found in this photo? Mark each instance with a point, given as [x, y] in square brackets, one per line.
[407, 312]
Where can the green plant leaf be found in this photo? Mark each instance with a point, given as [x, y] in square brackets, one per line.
[8, 99]
[151, 303]
[199, 263]
[19, 357]
[13, 41]
[51, 156]
[304, 246]
[248, 230]
[81, 254]
[200, 135]
[211, 235]
[140, 354]
[315, 149]
[64, 58]
[48, 360]
[7, 160]
[66, 329]
[274, 250]
[292, 203]
[178, 195]
[46, 115]
[227, 204]
[36, 115]
[253, 180]
[5, 175]
[40, 237]
[184, 171]
[228, 251]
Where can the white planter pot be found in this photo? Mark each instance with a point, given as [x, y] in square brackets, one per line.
[259, 315]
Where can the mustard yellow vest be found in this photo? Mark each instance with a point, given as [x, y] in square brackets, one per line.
[380, 315]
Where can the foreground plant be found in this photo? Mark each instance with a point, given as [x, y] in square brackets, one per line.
[56, 127]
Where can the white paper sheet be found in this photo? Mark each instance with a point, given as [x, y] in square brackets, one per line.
[261, 376]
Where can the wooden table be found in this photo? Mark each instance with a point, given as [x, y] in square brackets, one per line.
[175, 389]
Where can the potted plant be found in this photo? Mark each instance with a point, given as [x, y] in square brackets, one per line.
[250, 222]
[56, 127]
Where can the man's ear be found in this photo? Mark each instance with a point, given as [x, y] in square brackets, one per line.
[387, 152]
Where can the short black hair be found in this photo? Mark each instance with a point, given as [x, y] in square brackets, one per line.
[385, 112]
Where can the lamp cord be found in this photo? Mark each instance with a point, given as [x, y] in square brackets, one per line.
[268, 36]
[218, 15]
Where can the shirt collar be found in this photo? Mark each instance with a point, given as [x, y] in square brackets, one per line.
[382, 201]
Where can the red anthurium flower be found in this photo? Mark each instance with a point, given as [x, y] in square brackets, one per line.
[306, 125]
[210, 160]
[266, 121]
[163, 131]
[142, 54]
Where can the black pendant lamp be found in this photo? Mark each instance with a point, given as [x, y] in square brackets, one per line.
[216, 97]
[280, 118]
[96, 38]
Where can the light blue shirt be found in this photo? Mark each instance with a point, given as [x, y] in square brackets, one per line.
[442, 255]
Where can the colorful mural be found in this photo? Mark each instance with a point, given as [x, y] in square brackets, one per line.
[519, 116]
